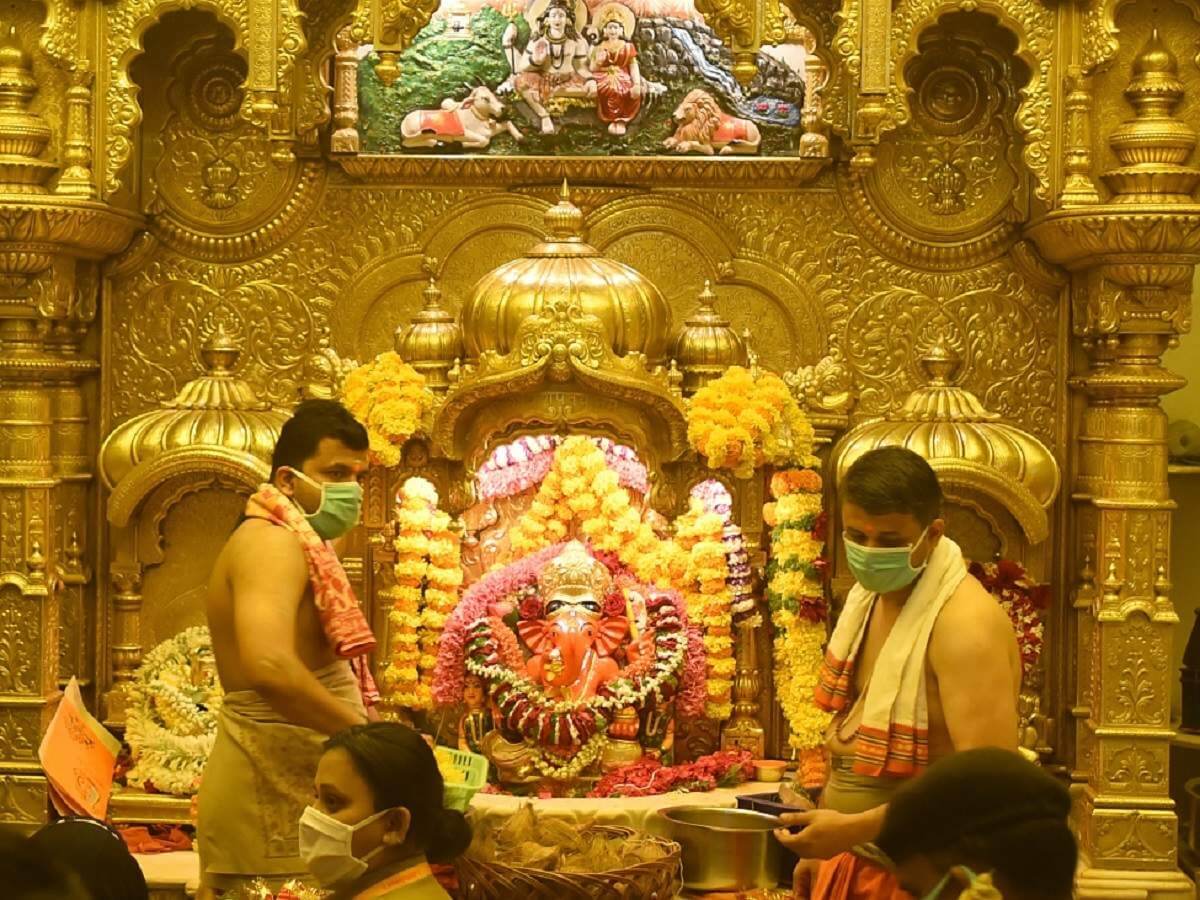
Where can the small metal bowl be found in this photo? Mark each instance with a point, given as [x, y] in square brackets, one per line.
[724, 849]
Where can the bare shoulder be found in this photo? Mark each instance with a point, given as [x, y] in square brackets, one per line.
[260, 548]
[971, 622]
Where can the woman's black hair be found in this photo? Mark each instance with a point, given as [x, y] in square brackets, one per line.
[401, 770]
[96, 855]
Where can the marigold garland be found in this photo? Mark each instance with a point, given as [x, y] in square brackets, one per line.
[390, 398]
[796, 597]
[428, 576]
[582, 496]
[746, 419]
[708, 599]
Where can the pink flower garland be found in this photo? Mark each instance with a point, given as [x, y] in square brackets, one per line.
[490, 591]
[486, 597]
[516, 467]
[524, 463]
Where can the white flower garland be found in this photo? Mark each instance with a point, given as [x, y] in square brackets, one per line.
[172, 721]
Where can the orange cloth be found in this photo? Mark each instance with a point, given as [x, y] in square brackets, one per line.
[848, 877]
[341, 616]
[155, 839]
[442, 122]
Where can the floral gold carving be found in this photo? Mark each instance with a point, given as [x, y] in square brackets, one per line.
[19, 628]
[1134, 769]
[1140, 669]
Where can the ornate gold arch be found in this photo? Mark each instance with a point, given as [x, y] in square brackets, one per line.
[236, 466]
[882, 93]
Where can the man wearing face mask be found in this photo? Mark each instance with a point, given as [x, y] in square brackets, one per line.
[291, 645]
[922, 663]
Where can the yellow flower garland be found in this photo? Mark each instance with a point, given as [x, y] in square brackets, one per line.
[744, 420]
[428, 577]
[799, 640]
[709, 602]
[390, 398]
[582, 495]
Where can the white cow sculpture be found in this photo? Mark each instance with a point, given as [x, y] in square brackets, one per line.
[472, 122]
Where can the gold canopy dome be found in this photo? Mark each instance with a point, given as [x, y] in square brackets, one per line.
[563, 340]
[216, 423]
[634, 312]
[966, 445]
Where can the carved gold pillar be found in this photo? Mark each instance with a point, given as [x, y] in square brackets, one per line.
[1131, 261]
[345, 95]
[47, 303]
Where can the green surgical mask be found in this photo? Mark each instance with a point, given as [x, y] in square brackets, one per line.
[941, 885]
[341, 503]
[882, 570]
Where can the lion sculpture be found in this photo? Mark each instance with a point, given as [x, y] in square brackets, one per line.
[704, 128]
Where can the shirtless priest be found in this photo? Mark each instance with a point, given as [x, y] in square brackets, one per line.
[923, 662]
[290, 643]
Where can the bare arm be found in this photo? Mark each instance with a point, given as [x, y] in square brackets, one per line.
[972, 650]
[268, 588]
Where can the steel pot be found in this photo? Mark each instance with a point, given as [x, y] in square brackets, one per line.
[723, 849]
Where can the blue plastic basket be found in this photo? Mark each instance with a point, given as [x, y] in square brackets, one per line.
[475, 767]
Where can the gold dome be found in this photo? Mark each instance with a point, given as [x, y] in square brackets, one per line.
[967, 445]
[216, 415]
[634, 313]
[432, 341]
[706, 345]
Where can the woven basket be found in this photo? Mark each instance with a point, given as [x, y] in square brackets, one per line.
[661, 879]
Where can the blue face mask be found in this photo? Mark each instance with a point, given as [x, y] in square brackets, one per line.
[341, 502]
[882, 570]
[936, 893]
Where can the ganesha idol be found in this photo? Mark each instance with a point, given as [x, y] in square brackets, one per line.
[584, 666]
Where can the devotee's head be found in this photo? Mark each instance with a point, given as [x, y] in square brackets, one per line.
[378, 801]
[891, 506]
[29, 873]
[319, 460]
[985, 811]
[97, 855]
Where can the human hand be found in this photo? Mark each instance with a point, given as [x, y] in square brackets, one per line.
[824, 833]
[803, 878]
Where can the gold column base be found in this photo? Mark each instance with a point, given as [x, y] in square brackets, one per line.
[1132, 884]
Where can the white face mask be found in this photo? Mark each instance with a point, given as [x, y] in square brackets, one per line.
[325, 846]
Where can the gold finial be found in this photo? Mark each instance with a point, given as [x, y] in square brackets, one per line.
[575, 572]
[940, 362]
[1154, 146]
[433, 340]
[706, 345]
[564, 220]
[220, 352]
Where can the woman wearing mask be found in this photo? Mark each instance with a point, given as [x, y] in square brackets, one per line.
[379, 819]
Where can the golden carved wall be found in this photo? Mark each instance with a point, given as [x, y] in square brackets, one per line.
[961, 185]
